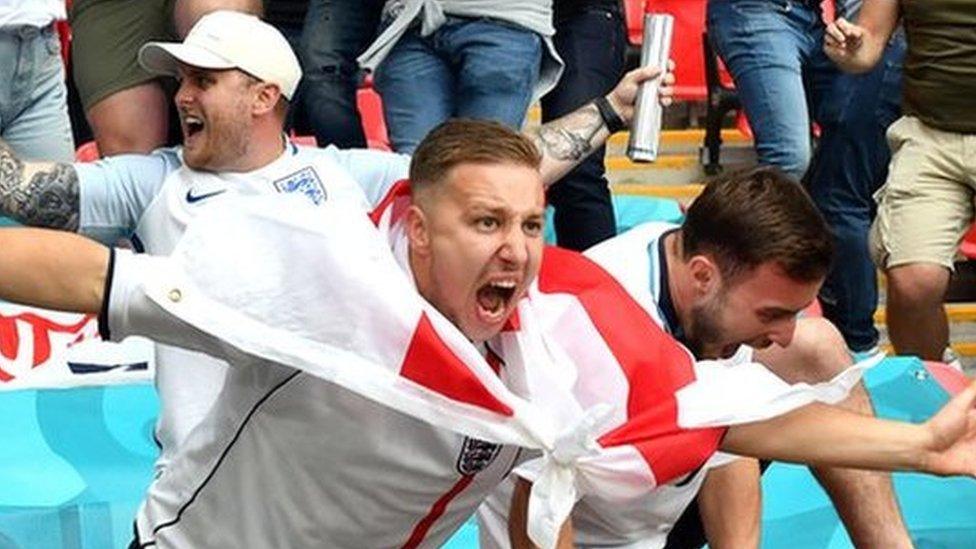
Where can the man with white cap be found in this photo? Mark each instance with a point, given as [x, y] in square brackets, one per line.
[238, 75]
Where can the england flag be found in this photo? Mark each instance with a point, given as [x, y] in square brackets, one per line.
[614, 404]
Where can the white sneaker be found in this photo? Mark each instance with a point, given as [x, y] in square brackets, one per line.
[950, 357]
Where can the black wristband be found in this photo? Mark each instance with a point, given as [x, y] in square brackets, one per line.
[610, 117]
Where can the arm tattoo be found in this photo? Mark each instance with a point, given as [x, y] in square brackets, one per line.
[569, 138]
[49, 198]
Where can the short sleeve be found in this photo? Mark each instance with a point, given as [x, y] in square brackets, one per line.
[115, 191]
[374, 171]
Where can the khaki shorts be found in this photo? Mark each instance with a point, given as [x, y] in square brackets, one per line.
[926, 205]
[106, 36]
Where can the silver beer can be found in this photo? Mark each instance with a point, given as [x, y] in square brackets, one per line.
[645, 131]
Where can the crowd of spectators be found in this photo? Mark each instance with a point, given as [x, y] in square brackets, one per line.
[434, 60]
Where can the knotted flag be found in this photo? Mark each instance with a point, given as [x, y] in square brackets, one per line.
[593, 382]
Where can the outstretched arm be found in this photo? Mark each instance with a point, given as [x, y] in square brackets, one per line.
[43, 194]
[819, 434]
[52, 269]
[566, 141]
[68, 272]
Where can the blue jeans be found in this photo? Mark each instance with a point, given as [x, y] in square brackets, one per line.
[470, 68]
[851, 162]
[772, 48]
[33, 98]
[334, 34]
[592, 43]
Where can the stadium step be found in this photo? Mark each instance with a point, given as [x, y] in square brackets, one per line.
[683, 193]
[956, 312]
[679, 141]
[680, 158]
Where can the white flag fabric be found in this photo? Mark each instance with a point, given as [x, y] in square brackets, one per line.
[320, 289]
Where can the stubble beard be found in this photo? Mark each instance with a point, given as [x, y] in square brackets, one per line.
[705, 330]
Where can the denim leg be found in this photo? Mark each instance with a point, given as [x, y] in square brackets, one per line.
[764, 44]
[33, 98]
[592, 44]
[850, 164]
[335, 32]
[418, 90]
[496, 66]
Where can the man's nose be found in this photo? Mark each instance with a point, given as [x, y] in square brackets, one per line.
[183, 95]
[514, 249]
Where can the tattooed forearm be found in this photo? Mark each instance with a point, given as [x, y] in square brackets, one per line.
[566, 141]
[569, 138]
[562, 144]
[43, 194]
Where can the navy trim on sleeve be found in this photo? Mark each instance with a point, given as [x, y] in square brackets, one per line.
[137, 244]
[103, 329]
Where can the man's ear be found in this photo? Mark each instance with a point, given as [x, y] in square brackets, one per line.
[418, 231]
[705, 275]
[267, 99]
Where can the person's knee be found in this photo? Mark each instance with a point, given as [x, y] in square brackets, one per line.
[792, 158]
[816, 353]
[820, 348]
[134, 120]
[917, 285]
[187, 12]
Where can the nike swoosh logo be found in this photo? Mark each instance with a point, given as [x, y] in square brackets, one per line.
[191, 198]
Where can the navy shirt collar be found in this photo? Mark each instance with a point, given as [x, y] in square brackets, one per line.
[664, 302]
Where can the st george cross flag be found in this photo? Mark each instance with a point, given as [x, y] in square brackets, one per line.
[603, 391]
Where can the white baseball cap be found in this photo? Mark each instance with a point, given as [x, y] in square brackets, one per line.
[229, 40]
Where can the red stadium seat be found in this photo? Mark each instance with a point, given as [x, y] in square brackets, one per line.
[304, 140]
[371, 110]
[949, 378]
[742, 124]
[64, 35]
[968, 245]
[686, 46]
[827, 7]
[689, 22]
[87, 152]
[634, 16]
[699, 73]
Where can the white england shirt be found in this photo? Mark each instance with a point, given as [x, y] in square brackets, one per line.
[284, 459]
[151, 198]
[643, 523]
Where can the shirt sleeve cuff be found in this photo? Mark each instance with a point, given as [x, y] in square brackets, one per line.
[123, 295]
[103, 324]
